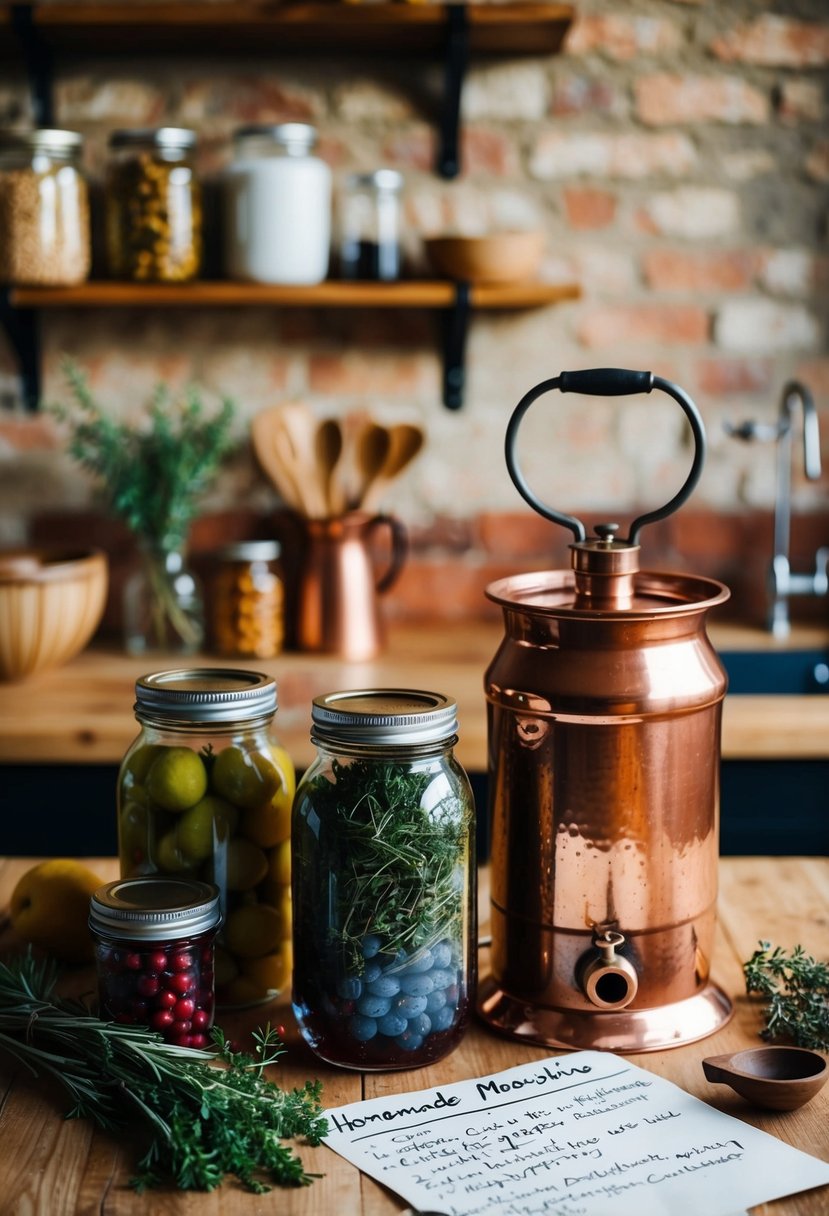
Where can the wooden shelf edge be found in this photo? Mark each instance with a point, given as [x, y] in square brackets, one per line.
[529, 28]
[416, 294]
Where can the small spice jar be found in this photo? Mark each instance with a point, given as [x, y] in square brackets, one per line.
[154, 942]
[370, 226]
[44, 209]
[205, 793]
[153, 206]
[277, 202]
[383, 882]
[247, 602]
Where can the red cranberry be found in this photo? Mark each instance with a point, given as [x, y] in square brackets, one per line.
[185, 1007]
[181, 961]
[201, 1019]
[198, 1040]
[183, 982]
[165, 999]
[132, 962]
[182, 1026]
[156, 962]
[180, 1040]
[162, 1019]
[147, 985]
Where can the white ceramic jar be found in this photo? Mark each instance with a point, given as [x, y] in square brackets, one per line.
[277, 206]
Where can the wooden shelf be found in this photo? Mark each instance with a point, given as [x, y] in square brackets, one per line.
[333, 294]
[247, 26]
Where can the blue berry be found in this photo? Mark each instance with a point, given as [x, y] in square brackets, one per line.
[416, 985]
[362, 1028]
[443, 1018]
[371, 944]
[441, 978]
[441, 954]
[422, 961]
[392, 1024]
[350, 987]
[384, 985]
[435, 1001]
[410, 1006]
[373, 1006]
[421, 1025]
[409, 1042]
[371, 971]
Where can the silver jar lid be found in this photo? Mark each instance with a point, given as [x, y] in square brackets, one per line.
[50, 140]
[205, 695]
[395, 716]
[168, 138]
[154, 909]
[381, 179]
[250, 551]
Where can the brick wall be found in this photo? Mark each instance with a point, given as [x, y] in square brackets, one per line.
[676, 155]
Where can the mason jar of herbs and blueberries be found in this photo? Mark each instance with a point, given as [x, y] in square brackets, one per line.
[205, 792]
[383, 882]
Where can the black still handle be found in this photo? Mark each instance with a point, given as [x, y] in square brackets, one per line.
[606, 382]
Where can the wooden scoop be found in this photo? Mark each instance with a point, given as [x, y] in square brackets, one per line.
[328, 444]
[405, 441]
[372, 446]
[778, 1078]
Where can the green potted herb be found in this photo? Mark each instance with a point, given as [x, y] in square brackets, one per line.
[151, 475]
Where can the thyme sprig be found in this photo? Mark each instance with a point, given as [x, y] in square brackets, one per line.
[150, 473]
[796, 990]
[400, 857]
[204, 1114]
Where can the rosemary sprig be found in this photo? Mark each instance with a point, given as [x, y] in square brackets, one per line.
[796, 990]
[204, 1114]
[400, 858]
[151, 473]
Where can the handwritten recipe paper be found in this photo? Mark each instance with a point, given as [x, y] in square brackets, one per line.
[586, 1134]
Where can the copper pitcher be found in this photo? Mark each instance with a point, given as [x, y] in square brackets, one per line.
[339, 583]
[604, 705]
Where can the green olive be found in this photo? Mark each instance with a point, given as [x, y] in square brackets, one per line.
[210, 821]
[177, 779]
[246, 864]
[138, 764]
[169, 856]
[244, 778]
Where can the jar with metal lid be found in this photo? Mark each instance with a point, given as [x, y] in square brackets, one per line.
[370, 226]
[383, 882]
[153, 206]
[277, 201]
[44, 209]
[154, 953]
[205, 792]
[248, 599]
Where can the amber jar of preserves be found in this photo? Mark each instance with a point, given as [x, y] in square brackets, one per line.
[44, 209]
[247, 602]
[153, 206]
[205, 792]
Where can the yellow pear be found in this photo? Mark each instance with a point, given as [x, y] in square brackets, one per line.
[50, 906]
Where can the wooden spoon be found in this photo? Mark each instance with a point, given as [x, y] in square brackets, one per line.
[328, 444]
[405, 441]
[300, 427]
[372, 446]
[275, 460]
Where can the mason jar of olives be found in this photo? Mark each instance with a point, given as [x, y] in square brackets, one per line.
[153, 206]
[205, 793]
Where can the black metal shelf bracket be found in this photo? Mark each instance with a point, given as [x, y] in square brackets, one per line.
[23, 331]
[37, 57]
[455, 64]
[456, 325]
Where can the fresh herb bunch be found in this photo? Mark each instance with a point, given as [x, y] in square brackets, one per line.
[151, 475]
[796, 988]
[206, 1114]
[399, 878]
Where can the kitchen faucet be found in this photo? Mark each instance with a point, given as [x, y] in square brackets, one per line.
[782, 582]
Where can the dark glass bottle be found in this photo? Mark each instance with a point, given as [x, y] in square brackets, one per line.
[383, 882]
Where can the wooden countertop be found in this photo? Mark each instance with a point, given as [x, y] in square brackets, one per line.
[82, 713]
[64, 1167]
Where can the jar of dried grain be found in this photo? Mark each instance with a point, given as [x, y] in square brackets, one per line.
[153, 206]
[44, 209]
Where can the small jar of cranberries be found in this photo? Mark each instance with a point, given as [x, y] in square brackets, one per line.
[154, 941]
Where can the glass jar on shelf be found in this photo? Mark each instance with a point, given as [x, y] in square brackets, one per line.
[247, 600]
[153, 206]
[370, 226]
[44, 209]
[277, 203]
[383, 882]
[205, 793]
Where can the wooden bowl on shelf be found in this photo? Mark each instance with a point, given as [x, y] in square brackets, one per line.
[51, 602]
[497, 257]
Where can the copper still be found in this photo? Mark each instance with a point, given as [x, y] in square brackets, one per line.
[604, 707]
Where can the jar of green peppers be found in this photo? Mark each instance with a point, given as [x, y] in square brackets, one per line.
[383, 882]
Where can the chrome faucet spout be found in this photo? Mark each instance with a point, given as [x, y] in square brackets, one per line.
[782, 582]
